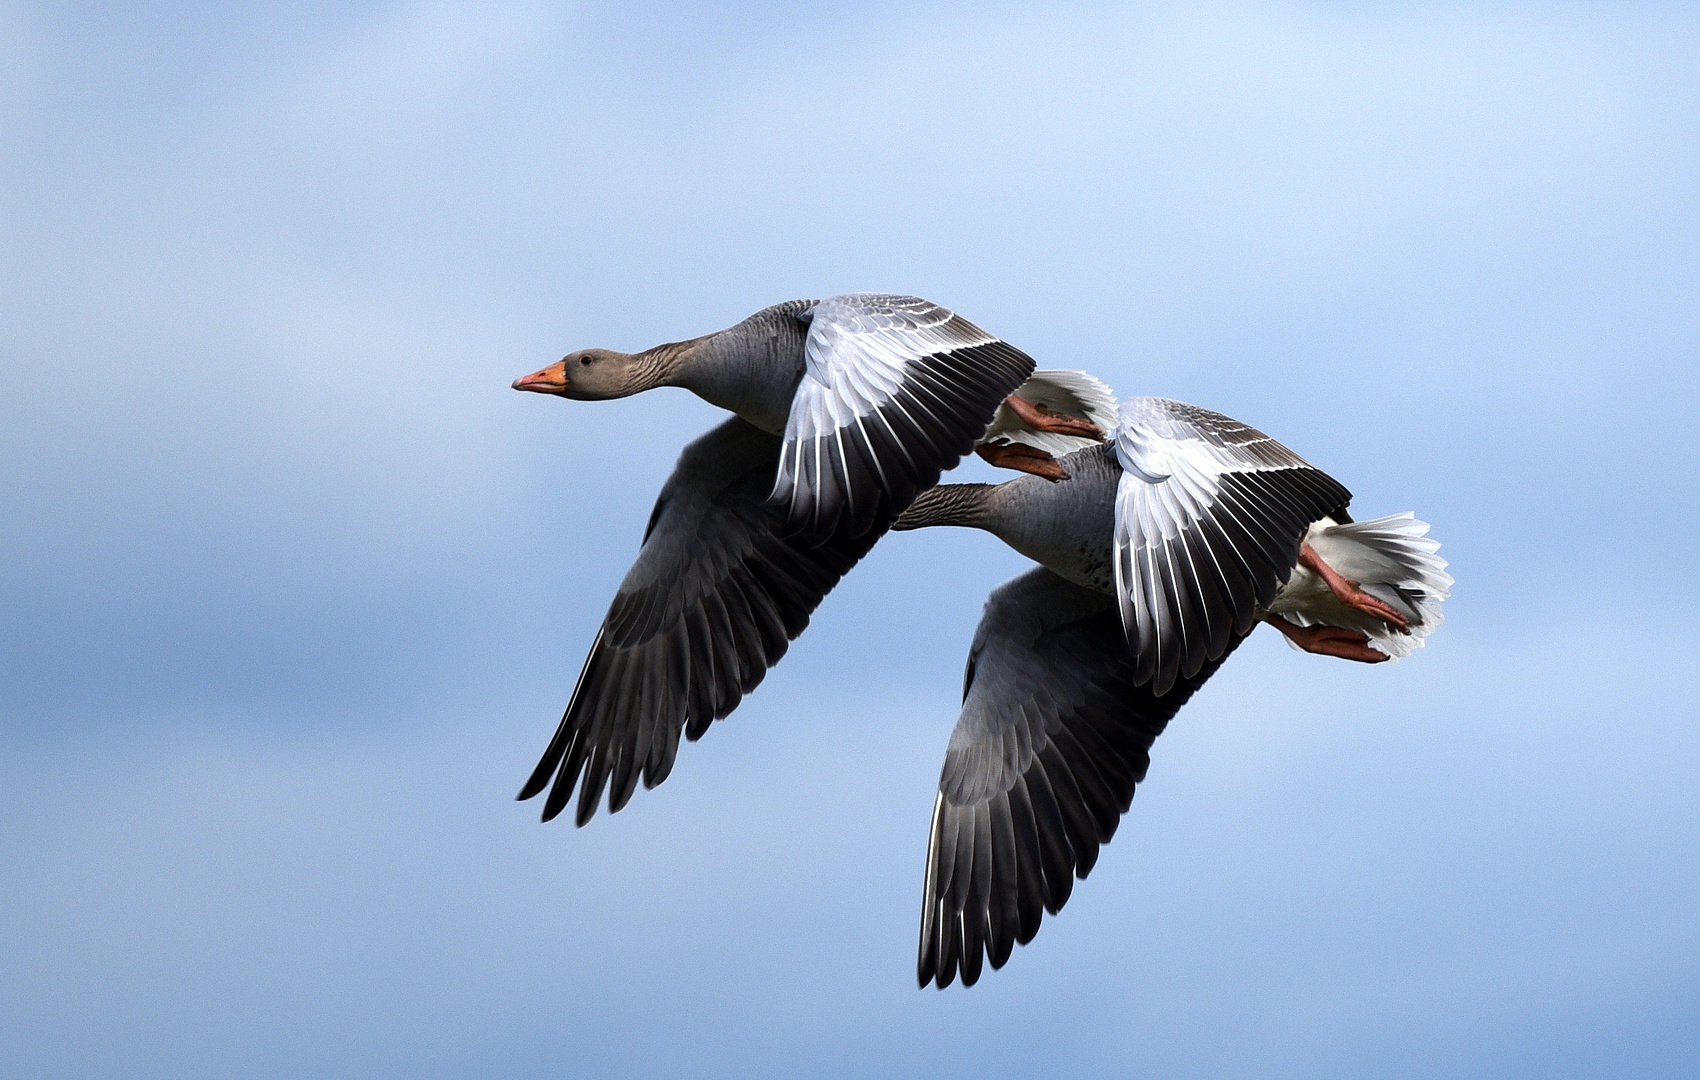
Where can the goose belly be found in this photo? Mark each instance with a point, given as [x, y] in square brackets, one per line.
[1067, 529]
[1084, 562]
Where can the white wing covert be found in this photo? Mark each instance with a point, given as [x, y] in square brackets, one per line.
[895, 391]
[1210, 514]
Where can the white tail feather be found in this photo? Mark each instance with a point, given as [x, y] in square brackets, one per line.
[1391, 558]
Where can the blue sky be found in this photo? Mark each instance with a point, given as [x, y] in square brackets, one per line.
[296, 586]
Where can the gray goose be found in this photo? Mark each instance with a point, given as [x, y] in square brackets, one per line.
[1157, 558]
[845, 409]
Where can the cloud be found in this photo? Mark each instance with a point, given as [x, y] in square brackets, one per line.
[1317, 879]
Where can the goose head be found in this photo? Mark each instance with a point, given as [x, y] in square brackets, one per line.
[591, 375]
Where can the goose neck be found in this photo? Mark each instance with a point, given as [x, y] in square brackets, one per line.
[751, 370]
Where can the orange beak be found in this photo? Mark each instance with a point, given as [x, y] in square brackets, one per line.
[551, 380]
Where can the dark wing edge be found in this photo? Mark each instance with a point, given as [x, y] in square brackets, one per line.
[1065, 706]
[715, 598]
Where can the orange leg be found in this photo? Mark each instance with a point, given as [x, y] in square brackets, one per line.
[1328, 641]
[1349, 592]
[1040, 418]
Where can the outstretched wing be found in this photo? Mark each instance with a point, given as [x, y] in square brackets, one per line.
[715, 597]
[1210, 514]
[1042, 764]
[895, 391]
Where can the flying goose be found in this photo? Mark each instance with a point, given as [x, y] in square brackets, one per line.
[845, 409]
[1157, 558]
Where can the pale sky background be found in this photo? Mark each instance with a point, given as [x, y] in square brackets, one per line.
[294, 587]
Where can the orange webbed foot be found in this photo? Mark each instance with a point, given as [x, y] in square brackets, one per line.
[1040, 418]
[1329, 641]
[1350, 594]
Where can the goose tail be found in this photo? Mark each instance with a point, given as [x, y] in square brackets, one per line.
[1393, 559]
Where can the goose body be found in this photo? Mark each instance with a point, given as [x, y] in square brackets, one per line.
[845, 409]
[1195, 522]
[1158, 556]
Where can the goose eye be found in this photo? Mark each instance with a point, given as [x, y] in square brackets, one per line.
[585, 360]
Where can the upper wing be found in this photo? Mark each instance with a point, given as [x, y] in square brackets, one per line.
[1072, 393]
[895, 391]
[1041, 766]
[714, 599]
[1210, 514]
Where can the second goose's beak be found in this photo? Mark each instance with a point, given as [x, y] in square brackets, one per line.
[551, 380]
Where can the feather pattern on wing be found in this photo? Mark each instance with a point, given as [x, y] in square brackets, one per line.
[1210, 514]
[1052, 739]
[714, 599]
[895, 391]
